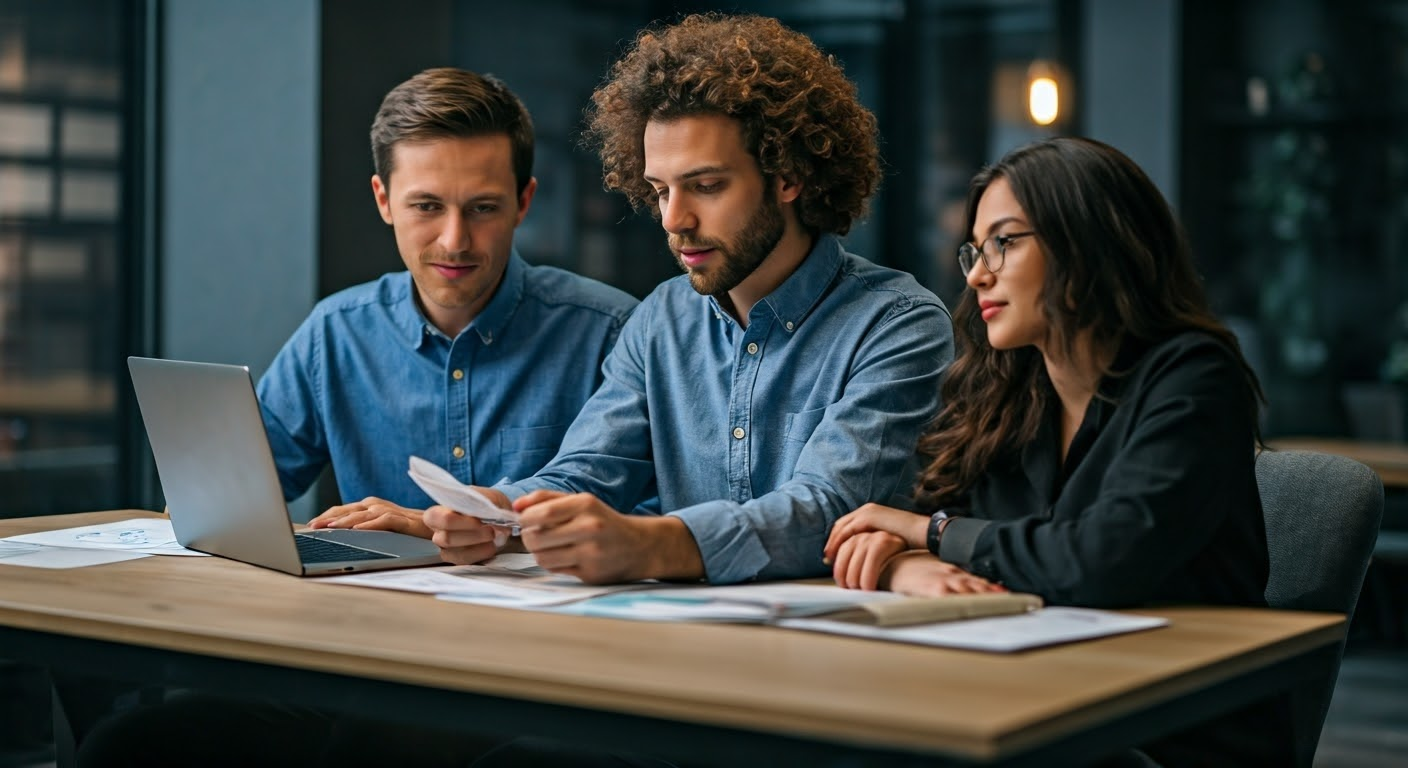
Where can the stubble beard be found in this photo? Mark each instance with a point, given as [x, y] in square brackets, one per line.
[738, 260]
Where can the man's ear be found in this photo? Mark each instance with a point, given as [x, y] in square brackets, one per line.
[526, 199]
[383, 198]
[788, 190]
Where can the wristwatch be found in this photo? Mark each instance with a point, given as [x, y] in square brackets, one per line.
[937, 523]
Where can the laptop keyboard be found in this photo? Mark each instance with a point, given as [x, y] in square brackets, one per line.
[312, 549]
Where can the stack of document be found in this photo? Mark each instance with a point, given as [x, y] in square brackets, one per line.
[999, 622]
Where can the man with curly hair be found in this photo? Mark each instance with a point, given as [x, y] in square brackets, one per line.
[780, 382]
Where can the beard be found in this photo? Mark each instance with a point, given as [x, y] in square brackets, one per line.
[738, 259]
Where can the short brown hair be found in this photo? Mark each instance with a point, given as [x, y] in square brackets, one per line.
[445, 103]
[801, 118]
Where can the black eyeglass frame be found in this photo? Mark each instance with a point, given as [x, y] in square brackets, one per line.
[968, 254]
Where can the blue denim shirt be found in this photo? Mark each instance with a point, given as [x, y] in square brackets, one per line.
[759, 438]
[367, 381]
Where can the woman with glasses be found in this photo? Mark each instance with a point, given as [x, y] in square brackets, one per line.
[1097, 441]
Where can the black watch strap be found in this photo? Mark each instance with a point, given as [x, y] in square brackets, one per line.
[936, 531]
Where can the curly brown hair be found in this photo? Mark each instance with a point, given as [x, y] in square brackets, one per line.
[449, 103]
[800, 115]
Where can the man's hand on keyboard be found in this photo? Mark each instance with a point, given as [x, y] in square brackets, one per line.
[373, 514]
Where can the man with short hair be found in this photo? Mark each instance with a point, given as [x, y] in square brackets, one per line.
[446, 359]
[471, 358]
[781, 382]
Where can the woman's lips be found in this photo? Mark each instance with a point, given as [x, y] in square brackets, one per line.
[990, 309]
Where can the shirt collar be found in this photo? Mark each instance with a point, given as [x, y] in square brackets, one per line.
[490, 321]
[793, 301]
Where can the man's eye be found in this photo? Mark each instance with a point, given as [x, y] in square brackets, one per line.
[425, 207]
[708, 188]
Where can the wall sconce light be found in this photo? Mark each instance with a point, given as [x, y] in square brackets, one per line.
[1043, 93]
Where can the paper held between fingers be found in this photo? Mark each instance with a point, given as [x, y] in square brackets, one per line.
[446, 490]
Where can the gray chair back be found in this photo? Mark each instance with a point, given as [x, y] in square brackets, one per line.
[1322, 516]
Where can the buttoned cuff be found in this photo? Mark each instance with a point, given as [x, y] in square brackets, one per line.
[731, 551]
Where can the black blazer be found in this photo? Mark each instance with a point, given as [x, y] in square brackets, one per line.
[1157, 501]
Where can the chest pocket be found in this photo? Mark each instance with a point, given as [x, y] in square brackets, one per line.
[801, 425]
[525, 450]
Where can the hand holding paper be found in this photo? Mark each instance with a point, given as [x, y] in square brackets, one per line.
[446, 490]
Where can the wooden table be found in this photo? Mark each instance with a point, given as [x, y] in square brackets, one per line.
[1389, 460]
[707, 693]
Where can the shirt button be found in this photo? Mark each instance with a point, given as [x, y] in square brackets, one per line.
[788, 325]
[458, 452]
[752, 348]
[738, 432]
[457, 374]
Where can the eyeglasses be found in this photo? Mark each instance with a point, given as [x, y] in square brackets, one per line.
[993, 251]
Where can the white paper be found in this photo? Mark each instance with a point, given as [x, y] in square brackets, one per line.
[152, 536]
[507, 581]
[756, 603]
[673, 605]
[1003, 634]
[786, 599]
[442, 486]
[36, 556]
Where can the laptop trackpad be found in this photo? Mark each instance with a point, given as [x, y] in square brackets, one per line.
[397, 544]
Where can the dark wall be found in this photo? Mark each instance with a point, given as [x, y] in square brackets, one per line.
[367, 48]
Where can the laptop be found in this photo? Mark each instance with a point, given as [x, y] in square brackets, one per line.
[222, 490]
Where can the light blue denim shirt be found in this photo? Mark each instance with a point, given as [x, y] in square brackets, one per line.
[759, 438]
[367, 381]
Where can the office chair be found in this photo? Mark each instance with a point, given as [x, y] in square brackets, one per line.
[1322, 516]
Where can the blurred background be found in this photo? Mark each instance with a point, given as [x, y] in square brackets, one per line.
[186, 178]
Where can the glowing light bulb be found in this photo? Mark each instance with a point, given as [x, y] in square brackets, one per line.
[1043, 100]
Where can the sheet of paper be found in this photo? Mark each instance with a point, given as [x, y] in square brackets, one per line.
[507, 581]
[1003, 634]
[755, 603]
[152, 536]
[446, 578]
[36, 556]
[677, 604]
[788, 599]
[515, 590]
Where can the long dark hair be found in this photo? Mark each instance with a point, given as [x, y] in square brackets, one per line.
[1118, 267]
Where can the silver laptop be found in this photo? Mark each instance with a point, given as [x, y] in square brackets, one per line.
[222, 490]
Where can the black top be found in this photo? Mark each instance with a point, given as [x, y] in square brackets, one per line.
[1157, 501]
